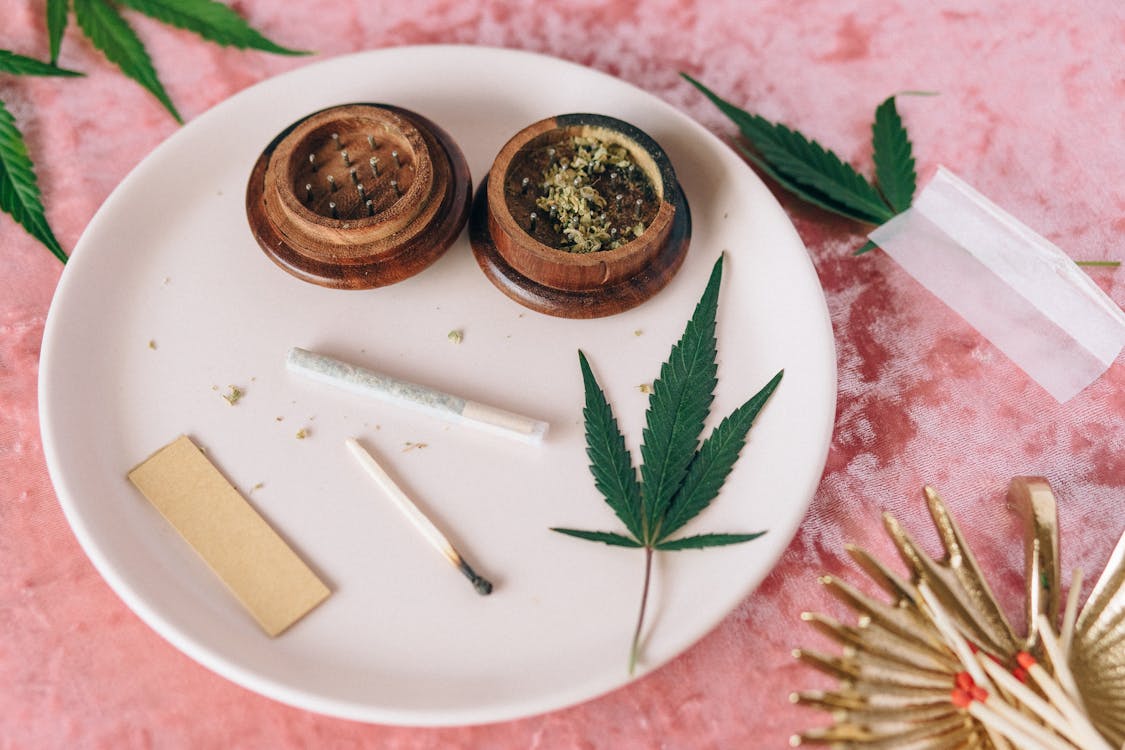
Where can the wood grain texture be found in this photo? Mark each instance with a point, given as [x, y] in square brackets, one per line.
[607, 300]
[579, 285]
[322, 231]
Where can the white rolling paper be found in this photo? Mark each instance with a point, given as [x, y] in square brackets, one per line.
[1019, 290]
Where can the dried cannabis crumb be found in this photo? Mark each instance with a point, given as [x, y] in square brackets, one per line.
[456, 336]
[152, 344]
[234, 395]
[645, 388]
[302, 433]
[409, 446]
[258, 486]
[279, 419]
[638, 332]
[576, 207]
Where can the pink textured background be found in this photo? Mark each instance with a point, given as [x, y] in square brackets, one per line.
[1031, 112]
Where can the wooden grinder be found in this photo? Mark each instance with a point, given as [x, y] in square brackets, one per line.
[511, 233]
[358, 196]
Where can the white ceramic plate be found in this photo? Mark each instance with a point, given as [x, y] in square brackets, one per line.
[404, 639]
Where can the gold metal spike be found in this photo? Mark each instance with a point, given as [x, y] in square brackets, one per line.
[899, 675]
[1104, 612]
[843, 634]
[951, 733]
[862, 666]
[901, 621]
[850, 707]
[990, 633]
[827, 701]
[940, 581]
[1097, 655]
[878, 641]
[884, 717]
[831, 665]
[963, 563]
[899, 695]
[1032, 498]
[889, 581]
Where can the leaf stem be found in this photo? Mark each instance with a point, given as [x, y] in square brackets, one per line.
[1098, 263]
[634, 651]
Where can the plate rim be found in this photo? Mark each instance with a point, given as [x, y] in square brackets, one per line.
[577, 692]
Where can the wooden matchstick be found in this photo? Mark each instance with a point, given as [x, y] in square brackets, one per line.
[961, 648]
[1058, 697]
[1041, 708]
[1058, 661]
[993, 720]
[1029, 726]
[954, 638]
[1065, 678]
[416, 517]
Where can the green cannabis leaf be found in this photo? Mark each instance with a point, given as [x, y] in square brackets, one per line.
[810, 164]
[19, 191]
[56, 25]
[680, 477]
[893, 156]
[210, 20]
[19, 65]
[109, 32]
[818, 176]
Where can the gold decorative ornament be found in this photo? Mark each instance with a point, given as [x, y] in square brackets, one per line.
[940, 666]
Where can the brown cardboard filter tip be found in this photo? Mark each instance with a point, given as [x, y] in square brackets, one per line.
[256, 564]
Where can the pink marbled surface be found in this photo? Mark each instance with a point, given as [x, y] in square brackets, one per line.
[1031, 112]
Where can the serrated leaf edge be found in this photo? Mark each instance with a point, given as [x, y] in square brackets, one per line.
[231, 31]
[17, 175]
[806, 161]
[611, 538]
[714, 461]
[768, 138]
[21, 65]
[611, 463]
[678, 407]
[806, 194]
[703, 541]
[102, 24]
[892, 153]
[57, 12]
